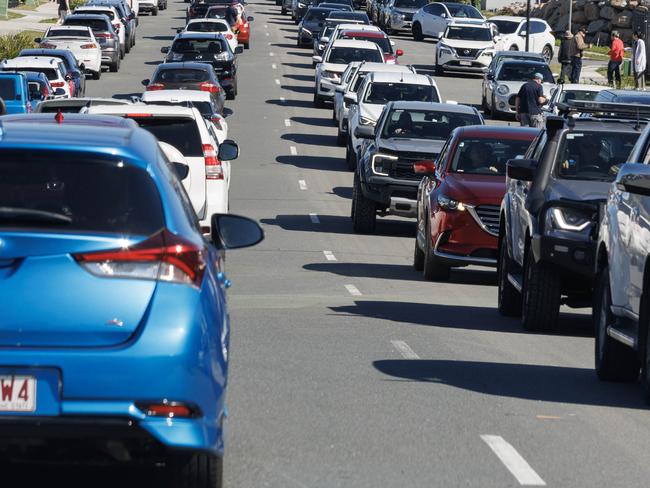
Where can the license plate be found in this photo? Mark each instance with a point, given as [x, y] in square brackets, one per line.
[465, 63]
[17, 393]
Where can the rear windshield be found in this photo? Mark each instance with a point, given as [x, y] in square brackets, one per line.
[463, 11]
[311, 15]
[410, 3]
[205, 108]
[381, 93]
[95, 24]
[207, 27]
[51, 73]
[524, 72]
[181, 76]
[7, 88]
[183, 133]
[486, 155]
[594, 155]
[346, 55]
[425, 124]
[209, 46]
[78, 192]
[108, 13]
[68, 33]
[382, 42]
[468, 33]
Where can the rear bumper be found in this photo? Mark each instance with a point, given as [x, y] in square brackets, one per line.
[110, 55]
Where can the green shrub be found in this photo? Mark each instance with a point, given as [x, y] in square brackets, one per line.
[77, 3]
[12, 44]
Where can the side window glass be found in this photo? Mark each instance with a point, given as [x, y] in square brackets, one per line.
[537, 147]
[537, 27]
[442, 157]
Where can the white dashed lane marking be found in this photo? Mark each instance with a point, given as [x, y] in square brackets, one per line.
[405, 350]
[353, 290]
[293, 150]
[274, 66]
[329, 255]
[314, 218]
[516, 464]
[302, 184]
[287, 123]
[277, 81]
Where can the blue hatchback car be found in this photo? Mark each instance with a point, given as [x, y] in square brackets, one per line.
[113, 321]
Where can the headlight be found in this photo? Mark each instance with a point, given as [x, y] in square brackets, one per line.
[330, 74]
[446, 49]
[306, 31]
[447, 203]
[503, 89]
[397, 16]
[224, 56]
[381, 163]
[489, 52]
[366, 121]
[567, 223]
[301, 5]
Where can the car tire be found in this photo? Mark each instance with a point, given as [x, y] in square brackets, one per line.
[438, 69]
[364, 212]
[417, 32]
[643, 323]
[433, 269]
[115, 67]
[98, 74]
[540, 297]
[547, 53]
[283, 11]
[508, 297]
[247, 45]
[418, 257]
[494, 113]
[513, 48]
[484, 105]
[350, 156]
[127, 47]
[196, 470]
[614, 361]
[340, 137]
[154, 11]
[318, 101]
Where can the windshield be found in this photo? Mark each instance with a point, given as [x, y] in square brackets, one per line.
[381, 93]
[181, 76]
[95, 24]
[382, 42]
[524, 72]
[315, 16]
[77, 191]
[7, 88]
[68, 33]
[182, 133]
[208, 46]
[350, 17]
[581, 95]
[593, 155]
[468, 33]
[346, 55]
[51, 73]
[410, 3]
[108, 13]
[206, 27]
[486, 155]
[425, 124]
[505, 26]
[464, 11]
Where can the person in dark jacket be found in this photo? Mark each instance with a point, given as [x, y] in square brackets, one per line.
[564, 56]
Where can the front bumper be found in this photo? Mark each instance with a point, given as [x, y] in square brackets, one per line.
[505, 104]
[397, 195]
[470, 65]
[305, 38]
[400, 23]
[574, 256]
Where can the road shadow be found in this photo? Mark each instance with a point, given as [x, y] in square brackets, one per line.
[457, 317]
[300, 53]
[127, 96]
[292, 103]
[277, 44]
[322, 163]
[299, 65]
[153, 63]
[338, 224]
[73, 476]
[298, 89]
[159, 38]
[300, 77]
[523, 381]
[343, 192]
[312, 139]
[316, 121]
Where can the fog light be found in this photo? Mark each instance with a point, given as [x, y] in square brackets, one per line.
[502, 105]
[168, 409]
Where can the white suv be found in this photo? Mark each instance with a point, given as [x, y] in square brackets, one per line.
[184, 128]
[54, 69]
[334, 61]
[376, 90]
[512, 31]
[466, 47]
[432, 19]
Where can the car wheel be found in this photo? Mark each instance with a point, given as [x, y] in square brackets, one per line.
[614, 361]
[643, 323]
[417, 32]
[484, 105]
[364, 213]
[127, 47]
[197, 470]
[433, 268]
[115, 67]
[98, 74]
[230, 94]
[123, 51]
[154, 11]
[350, 156]
[514, 48]
[283, 11]
[438, 69]
[247, 45]
[418, 257]
[547, 53]
[508, 298]
[340, 137]
[540, 309]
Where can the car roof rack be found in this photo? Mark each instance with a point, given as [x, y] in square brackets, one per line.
[608, 109]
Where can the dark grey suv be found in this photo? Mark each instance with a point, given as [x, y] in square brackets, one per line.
[105, 34]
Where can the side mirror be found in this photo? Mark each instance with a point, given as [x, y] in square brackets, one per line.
[239, 50]
[324, 40]
[490, 76]
[59, 92]
[521, 169]
[164, 49]
[634, 178]
[250, 18]
[443, 15]
[228, 150]
[426, 167]
[350, 98]
[145, 82]
[364, 132]
[38, 40]
[439, 35]
[399, 53]
[182, 170]
[317, 59]
[234, 231]
[522, 34]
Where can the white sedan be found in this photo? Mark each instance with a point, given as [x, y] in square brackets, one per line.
[220, 26]
[80, 40]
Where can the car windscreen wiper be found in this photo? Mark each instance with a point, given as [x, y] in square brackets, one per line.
[12, 214]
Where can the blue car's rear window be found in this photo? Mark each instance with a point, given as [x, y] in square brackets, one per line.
[77, 192]
[8, 88]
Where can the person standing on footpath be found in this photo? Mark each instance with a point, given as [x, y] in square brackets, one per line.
[579, 45]
[638, 60]
[564, 56]
[528, 102]
[64, 9]
[616, 52]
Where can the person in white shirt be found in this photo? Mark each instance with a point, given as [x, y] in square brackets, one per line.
[638, 60]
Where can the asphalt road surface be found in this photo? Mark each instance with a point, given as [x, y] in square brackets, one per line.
[347, 368]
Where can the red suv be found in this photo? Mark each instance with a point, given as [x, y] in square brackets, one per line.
[460, 195]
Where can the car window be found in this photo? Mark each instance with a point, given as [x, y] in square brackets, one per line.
[211, 46]
[382, 42]
[206, 27]
[506, 26]
[183, 75]
[81, 192]
[68, 33]
[468, 33]
[7, 88]
[97, 25]
[410, 3]
[425, 124]
[348, 74]
[537, 27]
[486, 155]
[179, 189]
[316, 16]
[380, 93]
[182, 133]
[464, 11]
[206, 108]
[581, 95]
[440, 160]
[108, 13]
[356, 82]
[595, 155]
[524, 72]
[346, 55]
[540, 142]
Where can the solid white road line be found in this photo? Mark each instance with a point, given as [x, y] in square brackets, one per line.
[512, 460]
[277, 81]
[293, 150]
[353, 290]
[274, 66]
[302, 184]
[329, 255]
[314, 218]
[405, 350]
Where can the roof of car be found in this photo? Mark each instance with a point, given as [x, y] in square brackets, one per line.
[497, 131]
[442, 107]
[185, 64]
[354, 43]
[200, 35]
[387, 68]
[89, 17]
[478, 23]
[598, 124]
[57, 53]
[94, 7]
[512, 18]
[319, 9]
[359, 27]
[518, 54]
[40, 61]
[583, 86]
[81, 102]
[367, 33]
[68, 27]
[176, 95]
[524, 62]
[205, 19]
[143, 109]
[401, 77]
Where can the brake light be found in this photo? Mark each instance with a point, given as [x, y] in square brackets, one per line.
[105, 36]
[88, 46]
[162, 257]
[48, 45]
[46, 92]
[155, 86]
[209, 87]
[138, 116]
[58, 84]
[213, 169]
[229, 36]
